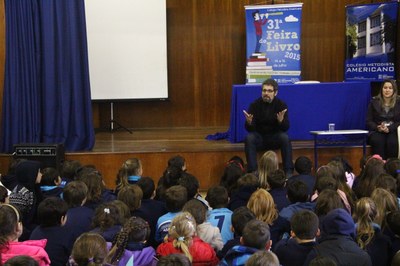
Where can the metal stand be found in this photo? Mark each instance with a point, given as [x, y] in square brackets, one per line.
[112, 121]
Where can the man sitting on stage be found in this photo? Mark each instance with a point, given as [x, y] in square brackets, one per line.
[267, 123]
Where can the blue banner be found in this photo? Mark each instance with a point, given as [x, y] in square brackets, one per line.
[371, 41]
[273, 43]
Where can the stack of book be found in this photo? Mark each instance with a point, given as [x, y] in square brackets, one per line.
[257, 70]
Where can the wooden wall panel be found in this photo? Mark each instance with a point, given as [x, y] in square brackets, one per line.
[206, 56]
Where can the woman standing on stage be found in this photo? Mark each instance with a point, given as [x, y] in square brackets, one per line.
[383, 118]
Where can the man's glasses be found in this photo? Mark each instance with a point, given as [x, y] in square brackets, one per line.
[269, 91]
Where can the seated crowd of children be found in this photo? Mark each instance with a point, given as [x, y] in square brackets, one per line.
[324, 217]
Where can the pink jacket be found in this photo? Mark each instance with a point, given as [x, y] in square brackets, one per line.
[31, 248]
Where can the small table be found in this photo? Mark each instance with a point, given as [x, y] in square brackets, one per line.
[338, 138]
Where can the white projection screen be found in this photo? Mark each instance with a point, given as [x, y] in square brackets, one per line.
[127, 44]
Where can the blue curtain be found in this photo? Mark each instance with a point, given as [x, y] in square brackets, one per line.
[46, 95]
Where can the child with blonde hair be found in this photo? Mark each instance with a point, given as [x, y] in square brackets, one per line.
[267, 164]
[368, 234]
[182, 238]
[386, 202]
[263, 206]
[129, 173]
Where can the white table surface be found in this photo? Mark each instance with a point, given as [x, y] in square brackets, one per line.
[340, 132]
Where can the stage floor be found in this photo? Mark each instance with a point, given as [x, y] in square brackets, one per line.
[169, 140]
[205, 159]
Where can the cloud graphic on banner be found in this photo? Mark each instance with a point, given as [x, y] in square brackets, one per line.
[291, 18]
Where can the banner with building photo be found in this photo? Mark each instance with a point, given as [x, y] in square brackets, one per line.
[273, 43]
[371, 41]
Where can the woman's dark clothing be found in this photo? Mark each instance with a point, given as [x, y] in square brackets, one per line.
[384, 144]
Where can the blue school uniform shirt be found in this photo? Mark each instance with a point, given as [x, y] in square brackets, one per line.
[221, 218]
[237, 256]
[163, 225]
[132, 179]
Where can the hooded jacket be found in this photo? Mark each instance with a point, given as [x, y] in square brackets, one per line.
[31, 248]
[202, 252]
[136, 254]
[337, 241]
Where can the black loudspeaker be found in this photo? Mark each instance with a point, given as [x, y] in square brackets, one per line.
[50, 155]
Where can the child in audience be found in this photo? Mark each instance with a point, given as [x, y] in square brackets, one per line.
[170, 178]
[129, 245]
[277, 181]
[79, 216]
[192, 185]
[174, 260]
[256, 236]
[129, 173]
[326, 178]
[50, 184]
[182, 239]
[246, 185]
[220, 215]
[368, 234]
[385, 203]
[97, 192]
[393, 231]
[327, 200]
[267, 164]
[106, 221]
[21, 260]
[240, 217]
[177, 161]
[324, 182]
[52, 217]
[4, 195]
[89, 249]
[234, 169]
[26, 194]
[262, 205]
[150, 209]
[337, 241]
[207, 232]
[389, 183]
[11, 230]
[305, 229]
[123, 210]
[68, 171]
[365, 183]
[263, 258]
[303, 167]
[132, 196]
[175, 197]
[339, 173]
[350, 177]
[297, 193]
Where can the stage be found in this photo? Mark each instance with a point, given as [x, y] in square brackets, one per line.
[205, 159]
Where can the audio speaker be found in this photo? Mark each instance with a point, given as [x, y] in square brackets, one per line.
[50, 155]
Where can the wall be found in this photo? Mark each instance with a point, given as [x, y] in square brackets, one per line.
[206, 56]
